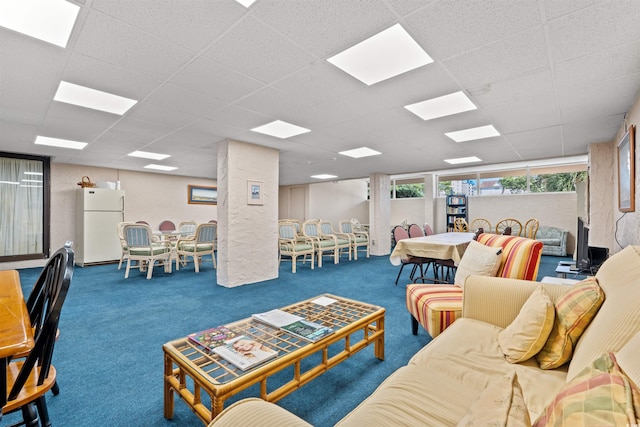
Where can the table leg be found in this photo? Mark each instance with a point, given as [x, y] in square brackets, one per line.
[378, 346]
[168, 390]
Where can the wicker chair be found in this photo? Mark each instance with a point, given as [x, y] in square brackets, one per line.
[201, 243]
[343, 240]
[531, 228]
[503, 227]
[480, 223]
[321, 243]
[293, 245]
[460, 225]
[145, 249]
[358, 238]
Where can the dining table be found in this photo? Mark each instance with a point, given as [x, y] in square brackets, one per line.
[444, 246]
[16, 335]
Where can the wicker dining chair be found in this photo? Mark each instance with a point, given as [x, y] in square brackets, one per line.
[531, 228]
[480, 223]
[509, 224]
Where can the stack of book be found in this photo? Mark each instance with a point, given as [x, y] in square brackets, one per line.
[295, 325]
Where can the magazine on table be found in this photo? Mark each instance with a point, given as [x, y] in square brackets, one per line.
[245, 352]
[308, 330]
[212, 337]
[277, 318]
[294, 324]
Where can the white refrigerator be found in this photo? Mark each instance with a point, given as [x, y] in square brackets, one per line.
[99, 210]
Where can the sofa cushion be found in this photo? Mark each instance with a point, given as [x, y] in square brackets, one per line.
[500, 404]
[527, 334]
[468, 353]
[478, 259]
[601, 395]
[574, 312]
[628, 359]
[520, 256]
[618, 318]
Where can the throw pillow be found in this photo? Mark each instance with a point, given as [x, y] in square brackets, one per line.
[574, 312]
[600, 395]
[500, 404]
[528, 332]
[478, 259]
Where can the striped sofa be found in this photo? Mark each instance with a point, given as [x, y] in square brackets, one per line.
[436, 307]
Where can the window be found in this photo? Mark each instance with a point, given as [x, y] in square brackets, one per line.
[24, 207]
[405, 189]
[530, 180]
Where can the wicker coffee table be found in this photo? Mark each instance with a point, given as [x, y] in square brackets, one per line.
[190, 370]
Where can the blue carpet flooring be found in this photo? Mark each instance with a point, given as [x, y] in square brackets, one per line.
[109, 356]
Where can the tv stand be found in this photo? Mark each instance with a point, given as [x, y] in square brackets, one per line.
[563, 269]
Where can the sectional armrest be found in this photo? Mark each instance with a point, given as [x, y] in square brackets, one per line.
[253, 412]
[497, 300]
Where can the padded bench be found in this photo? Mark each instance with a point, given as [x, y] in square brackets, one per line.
[436, 307]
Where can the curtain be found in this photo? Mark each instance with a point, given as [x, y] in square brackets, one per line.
[21, 206]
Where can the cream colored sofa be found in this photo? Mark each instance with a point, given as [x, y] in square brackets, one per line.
[456, 370]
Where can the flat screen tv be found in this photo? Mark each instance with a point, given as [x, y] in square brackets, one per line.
[582, 249]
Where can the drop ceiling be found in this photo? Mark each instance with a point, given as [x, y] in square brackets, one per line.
[551, 76]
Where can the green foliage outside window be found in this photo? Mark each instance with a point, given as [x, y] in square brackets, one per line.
[557, 182]
[405, 191]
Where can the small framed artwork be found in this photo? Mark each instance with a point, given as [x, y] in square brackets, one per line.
[254, 193]
[627, 171]
[199, 195]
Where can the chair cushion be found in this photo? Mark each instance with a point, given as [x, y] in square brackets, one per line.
[157, 250]
[528, 332]
[298, 247]
[435, 307]
[574, 312]
[601, 395]
[478, 259]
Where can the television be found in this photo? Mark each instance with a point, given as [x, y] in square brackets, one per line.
[582, 247]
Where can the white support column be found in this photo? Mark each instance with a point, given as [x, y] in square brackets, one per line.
[380, 214]
[430, 193]
[247, 233]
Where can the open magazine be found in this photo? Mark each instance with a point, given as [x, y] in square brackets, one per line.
[245, 352]
[294, 324]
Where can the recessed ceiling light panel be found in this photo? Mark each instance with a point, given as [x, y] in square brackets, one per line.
[149, 155]
[62, 143]
[323, 176]
[92, 98]
[461, 160]
[280, 129]
[48, 20]
[357, 153]
[161, 167]
[246, 3]
[446, 105]
[380, 57]
[473, 133]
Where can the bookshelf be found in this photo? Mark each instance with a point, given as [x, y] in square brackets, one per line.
[456, 208]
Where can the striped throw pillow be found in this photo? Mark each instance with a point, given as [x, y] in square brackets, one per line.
[574, 312]
[601, 395]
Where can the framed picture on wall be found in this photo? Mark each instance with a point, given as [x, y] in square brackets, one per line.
[254, 193]
[626, 171]
[199, 195]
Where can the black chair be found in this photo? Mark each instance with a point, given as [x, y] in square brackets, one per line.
[29, 379]
[400, 233]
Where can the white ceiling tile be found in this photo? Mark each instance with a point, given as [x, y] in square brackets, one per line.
[174, 97]
[447, 28]
[594, 29]
[325, 27]
[129, 48]
[192, 25]
[251, 42]
[215, 81]
[505, 59]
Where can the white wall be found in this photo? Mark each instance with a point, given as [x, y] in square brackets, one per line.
[150, 197]
[625, 228]
[339, 201]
